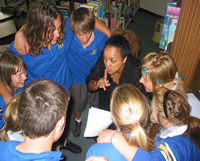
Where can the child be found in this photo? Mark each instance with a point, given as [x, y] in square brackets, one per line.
[160, 70]
[42, 113]
[129, 111]
[180, 139]
[11, 129]
[12, 75]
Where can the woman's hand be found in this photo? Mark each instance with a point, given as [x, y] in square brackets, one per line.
[103, 82]
[97, 158]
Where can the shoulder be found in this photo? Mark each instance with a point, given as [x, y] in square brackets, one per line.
[134, 61]
[98, 33]
[8, 145]
[181, 147]
[155, 155]
[105, 149]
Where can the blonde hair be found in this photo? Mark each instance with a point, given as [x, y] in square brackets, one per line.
[82, 20]
[162, 68]
[128, 105]
[11, 121]
[178, 111]
[132, 39]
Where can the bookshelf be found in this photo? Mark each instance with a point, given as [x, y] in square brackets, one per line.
[114, 13]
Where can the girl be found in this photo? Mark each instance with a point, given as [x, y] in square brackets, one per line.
[11, 129]
[159, 70]
[129, 111]
[180, 139]
[12, 76]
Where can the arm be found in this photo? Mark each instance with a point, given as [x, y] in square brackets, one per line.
[7, 97]
[119, 143]
[100, 26]
[97, 158]
[20, 43]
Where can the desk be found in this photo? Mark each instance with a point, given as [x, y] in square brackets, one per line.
[7, 25]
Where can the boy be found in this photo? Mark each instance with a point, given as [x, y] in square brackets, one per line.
[42, 108]
[86, 47]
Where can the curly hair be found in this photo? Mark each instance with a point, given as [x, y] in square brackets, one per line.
[178, 112]
[132, 39]
[40, 26]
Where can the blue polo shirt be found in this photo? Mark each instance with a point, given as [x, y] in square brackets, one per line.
[52, 64]
[3, 106]
[82, 60]
[9, 153]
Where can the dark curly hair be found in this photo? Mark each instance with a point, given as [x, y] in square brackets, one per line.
[132, 39]
[40, 26]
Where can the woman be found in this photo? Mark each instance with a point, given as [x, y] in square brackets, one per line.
[180, 139]
[12, 76]
[114, 67]
[11, 129]
[159, 70]
[129, 111]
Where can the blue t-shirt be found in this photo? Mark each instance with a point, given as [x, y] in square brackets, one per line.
[52, 64]
[179, 148]
[82, 60]
[9, 153]
[3, 106]
[182, 148]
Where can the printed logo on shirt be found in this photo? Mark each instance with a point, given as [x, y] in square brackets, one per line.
[93, 52]
[60, 46]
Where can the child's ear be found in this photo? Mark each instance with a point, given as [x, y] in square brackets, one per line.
[61, 123]
[165, 123]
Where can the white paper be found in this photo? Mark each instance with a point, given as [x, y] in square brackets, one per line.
[97, 121]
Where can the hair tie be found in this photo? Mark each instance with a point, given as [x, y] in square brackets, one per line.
[157, 81]
[135, 122]
[164, 103]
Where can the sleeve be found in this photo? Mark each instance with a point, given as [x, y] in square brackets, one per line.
[155, 155]
[105, 149]
[98, 71]
[11, 47]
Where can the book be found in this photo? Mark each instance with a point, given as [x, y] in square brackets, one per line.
[171, 12]
[97, 8]
[171, 31]
[88, 6]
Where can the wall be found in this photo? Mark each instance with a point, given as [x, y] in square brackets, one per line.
[155, 6]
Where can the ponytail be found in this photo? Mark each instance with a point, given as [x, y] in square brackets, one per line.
[3, 134]
[140, 138]
[193, 130]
